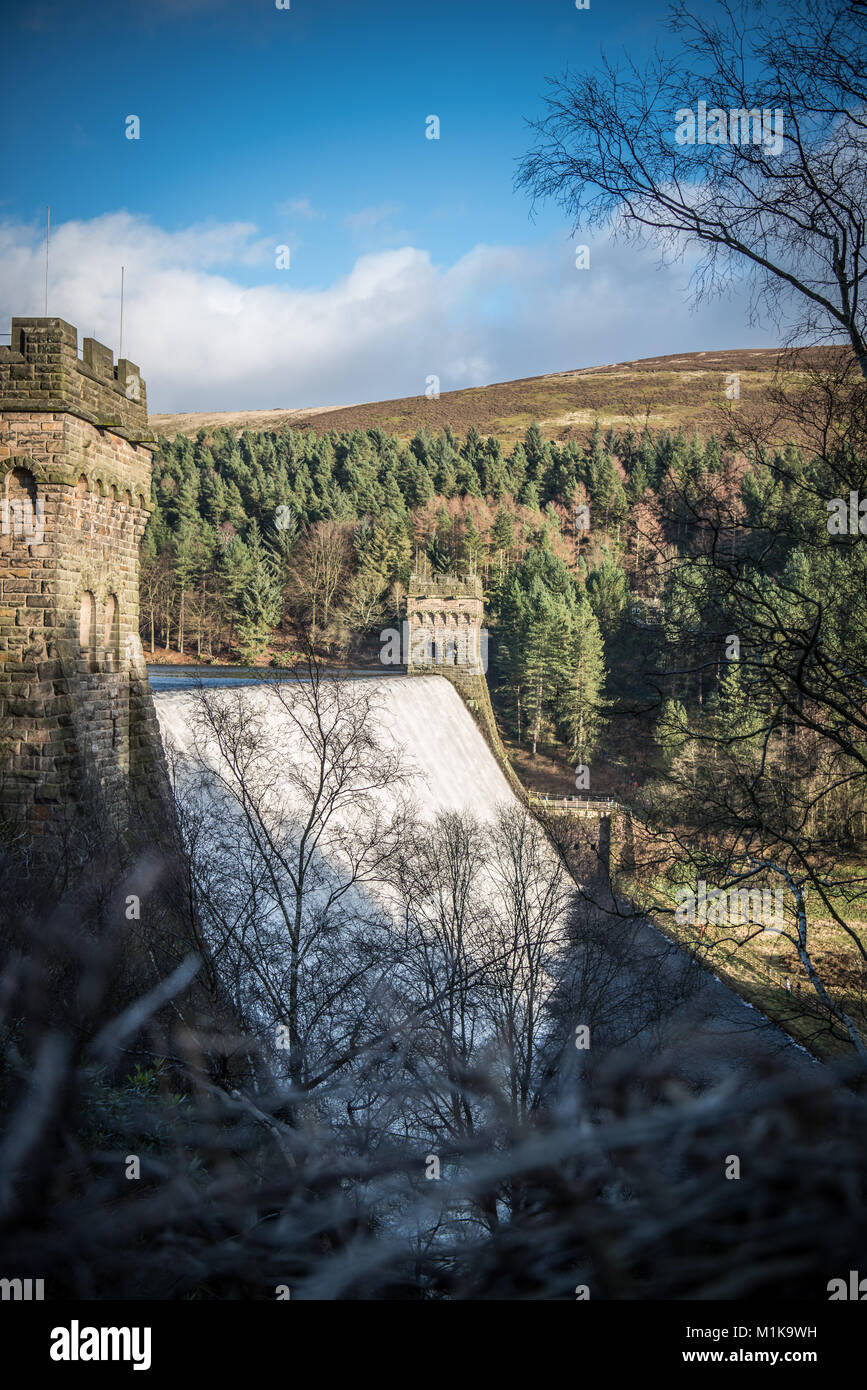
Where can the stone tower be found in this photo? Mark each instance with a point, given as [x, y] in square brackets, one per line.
[77, 727]
[444, 616]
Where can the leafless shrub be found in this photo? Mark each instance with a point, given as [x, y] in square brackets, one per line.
[618, 1182]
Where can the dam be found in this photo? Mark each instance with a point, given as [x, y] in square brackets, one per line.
[709, 1035]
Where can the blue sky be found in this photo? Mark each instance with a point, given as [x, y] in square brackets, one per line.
[305, 127]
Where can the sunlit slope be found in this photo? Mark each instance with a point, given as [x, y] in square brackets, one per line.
[445, 758]
[685, 390]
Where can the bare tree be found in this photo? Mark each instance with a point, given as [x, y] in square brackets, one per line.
[757, 816]
[322, 566]
[438, 882]
[767, 787]
[627, 1196]
[767, 177]
[364, 607]
[526, 951]
[283, 796]
[155, 587]
[484, 928]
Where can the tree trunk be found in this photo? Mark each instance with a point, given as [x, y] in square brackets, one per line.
[537, 722]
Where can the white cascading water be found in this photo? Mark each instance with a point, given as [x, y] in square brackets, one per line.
[448, 767]
[447, 761]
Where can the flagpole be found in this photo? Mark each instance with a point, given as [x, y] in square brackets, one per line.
[47, 241]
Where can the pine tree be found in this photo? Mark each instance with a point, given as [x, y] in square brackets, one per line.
[470, 483]
[187, 558]
[638, 482]
[383, 549]
[444, 460]
[517, 470]
[530, 495]
[260, 599]
[579, 703]
[510, 650]
[473, 546]
[414, 480]
[535, 451]
[473, 450]
[503, 537]
[608, 592]
[540, 665]
[440, 560]
[730, 703]
[495, 469]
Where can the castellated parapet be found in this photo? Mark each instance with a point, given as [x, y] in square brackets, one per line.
[76, 718]
[42, 371]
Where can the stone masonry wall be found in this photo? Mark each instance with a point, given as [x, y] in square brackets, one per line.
[41, 370]
[444, 617]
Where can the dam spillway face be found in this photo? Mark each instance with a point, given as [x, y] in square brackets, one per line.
[447, 763]
[428, 760]
[76, 721]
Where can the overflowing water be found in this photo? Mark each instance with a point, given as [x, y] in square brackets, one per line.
[446, 761]
[442, 765]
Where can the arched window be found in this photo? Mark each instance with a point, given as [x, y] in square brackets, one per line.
[112, 626]
[87, 625]
[23, 511]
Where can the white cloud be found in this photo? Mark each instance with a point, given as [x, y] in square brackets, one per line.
[298, 209]
[205, 341]
[370, 217]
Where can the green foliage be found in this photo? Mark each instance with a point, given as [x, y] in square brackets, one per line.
[126, 1113]
[608, 592]
[260, 599]
[580, 692]
[550, 654]
[233, 514]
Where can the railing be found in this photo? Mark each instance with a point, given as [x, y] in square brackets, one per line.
[575, 805]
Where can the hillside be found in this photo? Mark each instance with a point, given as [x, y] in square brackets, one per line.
[686, 389]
